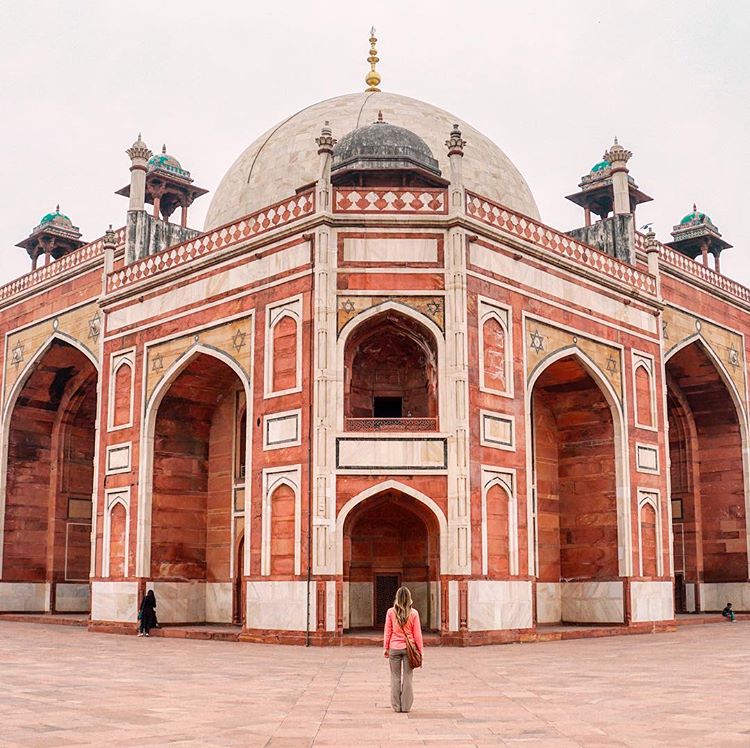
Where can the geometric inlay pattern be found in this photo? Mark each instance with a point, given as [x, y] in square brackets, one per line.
[286, 211]
[527, 228]
[544, 339]
[422, 200]
[228, 337]
[431, 306]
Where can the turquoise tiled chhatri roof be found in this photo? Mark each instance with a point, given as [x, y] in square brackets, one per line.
[56, 217]
[601, 166]
[167, 163]
[695, 216]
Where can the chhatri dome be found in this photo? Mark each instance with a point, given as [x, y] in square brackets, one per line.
[56, 219]
[285, 157]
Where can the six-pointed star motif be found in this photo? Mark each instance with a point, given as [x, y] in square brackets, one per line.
[433, 307]
[95, 326]
[238, 340]
[537, 341]
[17, 354]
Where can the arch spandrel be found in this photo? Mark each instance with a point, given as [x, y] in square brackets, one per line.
[432, 307]
[678, 327]
[231, 338]
[542, 340]
[82, 326]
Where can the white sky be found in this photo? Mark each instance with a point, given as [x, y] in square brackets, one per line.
[550, 82]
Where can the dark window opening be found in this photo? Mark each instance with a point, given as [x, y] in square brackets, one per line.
[387, 407]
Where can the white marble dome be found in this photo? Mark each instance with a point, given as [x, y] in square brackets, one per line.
[286, 157]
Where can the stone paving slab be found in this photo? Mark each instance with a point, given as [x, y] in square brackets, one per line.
[62, 686]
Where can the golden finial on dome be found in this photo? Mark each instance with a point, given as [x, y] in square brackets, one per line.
[373, 77]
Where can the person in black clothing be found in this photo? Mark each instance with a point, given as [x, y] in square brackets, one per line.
[147, 613]
[728, 613]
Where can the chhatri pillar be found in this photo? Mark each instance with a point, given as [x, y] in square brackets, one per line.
[697, 236]
[160, 181]
[53, 238]
[608, 187]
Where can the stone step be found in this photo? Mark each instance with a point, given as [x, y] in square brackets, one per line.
[700, 619]
[204, 633]
[56, 619]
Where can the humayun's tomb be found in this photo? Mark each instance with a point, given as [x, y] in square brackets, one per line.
[374, 365]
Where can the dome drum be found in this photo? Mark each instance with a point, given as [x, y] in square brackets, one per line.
[382, 147]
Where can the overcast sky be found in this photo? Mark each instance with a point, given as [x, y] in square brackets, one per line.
[550, 82]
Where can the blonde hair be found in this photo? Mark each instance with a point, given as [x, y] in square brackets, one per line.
[402, 605]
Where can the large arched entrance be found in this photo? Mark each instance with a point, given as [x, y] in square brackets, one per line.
[390, 539]
[575, 478]
[391, 375]
[50, 437]
[707, 479]
[196, 488]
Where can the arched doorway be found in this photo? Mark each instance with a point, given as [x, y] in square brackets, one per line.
[196, 506]
[707, 479]
[391, 375]
[51, 428]
[240, 596]
[575, 472]
[390, 539]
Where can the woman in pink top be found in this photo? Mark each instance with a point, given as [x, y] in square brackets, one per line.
[400, 621]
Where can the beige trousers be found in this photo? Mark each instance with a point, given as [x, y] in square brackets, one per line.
[402, 695]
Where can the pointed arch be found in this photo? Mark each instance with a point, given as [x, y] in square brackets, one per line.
[740, 411]
[379, 309]
[391, 485]
[10, 404]
[650, 499]
[494, 375]
[146, 467]
[113, 498]
[505, 481]
[698, 339]
[622, 462]
[643, 394]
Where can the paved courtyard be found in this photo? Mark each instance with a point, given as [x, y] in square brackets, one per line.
[63, 686]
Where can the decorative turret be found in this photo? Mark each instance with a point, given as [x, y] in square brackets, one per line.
[161, 181]
[54, 237]
[325, 142]
[455, 145]
[139, 154]
[608, 187]
[697, 235]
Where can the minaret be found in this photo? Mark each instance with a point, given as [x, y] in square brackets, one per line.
[373, 77]
[618, 158]
[325, 142]
[139, 155]
[455, 145]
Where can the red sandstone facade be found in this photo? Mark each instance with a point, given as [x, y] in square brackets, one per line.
[391, 381]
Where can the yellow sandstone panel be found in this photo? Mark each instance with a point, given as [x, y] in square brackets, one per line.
[231, 338]
[679, 326]
[81, 325]
[431, 306]
[542, 340]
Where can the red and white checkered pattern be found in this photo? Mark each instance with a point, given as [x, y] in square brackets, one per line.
[264, 220]
[424, 200]
[527, 228]
[699, 270]
[57, 267]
